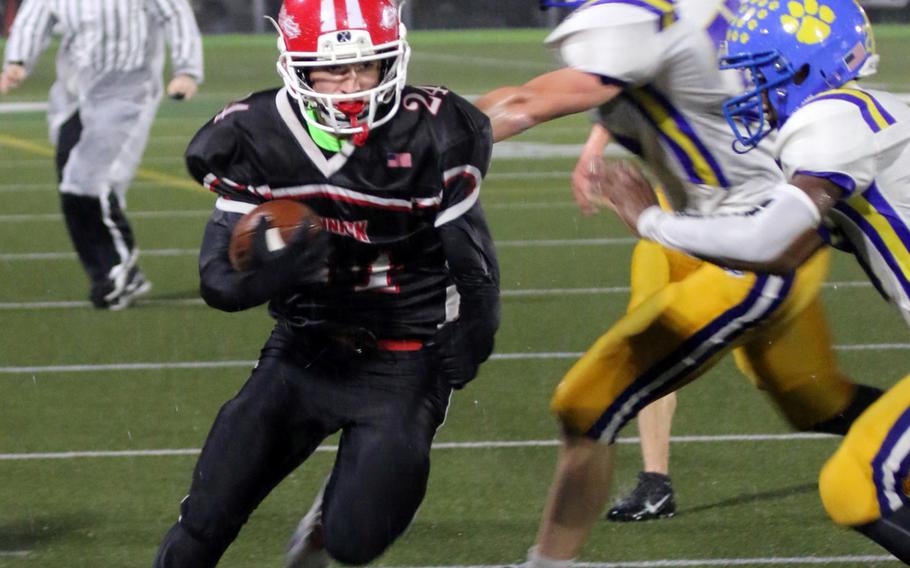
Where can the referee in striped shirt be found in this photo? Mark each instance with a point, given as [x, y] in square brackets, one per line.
[101, 107]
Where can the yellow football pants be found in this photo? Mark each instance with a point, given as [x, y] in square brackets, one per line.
[867, 476]
[683, 316]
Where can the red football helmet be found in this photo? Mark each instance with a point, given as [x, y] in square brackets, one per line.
[315, 33]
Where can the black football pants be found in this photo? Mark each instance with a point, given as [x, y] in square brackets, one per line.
[388, 406]
[90, 222]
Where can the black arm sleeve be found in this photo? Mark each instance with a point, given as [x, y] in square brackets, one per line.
[220, 285]
[472, 261]
[221, 158]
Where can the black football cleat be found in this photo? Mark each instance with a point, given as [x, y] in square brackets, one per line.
[118, 293]
[651, 499]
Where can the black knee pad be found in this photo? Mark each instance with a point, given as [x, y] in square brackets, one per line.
[181, 549]
[354, 554]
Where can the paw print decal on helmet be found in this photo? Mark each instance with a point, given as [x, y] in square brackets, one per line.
[809, 20]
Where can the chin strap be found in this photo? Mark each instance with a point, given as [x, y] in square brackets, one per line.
[353, 109]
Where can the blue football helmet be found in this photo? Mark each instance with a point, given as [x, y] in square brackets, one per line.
[790, 51]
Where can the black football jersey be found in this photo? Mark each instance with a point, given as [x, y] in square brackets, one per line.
[381, 202]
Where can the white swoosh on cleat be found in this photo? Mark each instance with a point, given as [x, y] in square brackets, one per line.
[652, 508]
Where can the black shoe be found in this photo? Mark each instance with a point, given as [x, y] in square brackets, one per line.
[117, 294]
[651, 499]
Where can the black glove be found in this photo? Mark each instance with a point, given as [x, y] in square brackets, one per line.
[301, 261]
[462, 346]
[457, 365]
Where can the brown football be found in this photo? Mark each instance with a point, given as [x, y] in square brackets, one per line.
[285, 218]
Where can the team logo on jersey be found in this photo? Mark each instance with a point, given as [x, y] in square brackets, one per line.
[288, 24]
[355, 229]
[809, 20]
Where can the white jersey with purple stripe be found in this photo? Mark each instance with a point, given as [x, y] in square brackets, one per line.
[860, 140]
[664, 54]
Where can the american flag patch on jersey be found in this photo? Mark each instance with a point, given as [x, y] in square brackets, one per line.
[402, 160]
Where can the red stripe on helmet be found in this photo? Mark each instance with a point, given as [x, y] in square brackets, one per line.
[341, 15]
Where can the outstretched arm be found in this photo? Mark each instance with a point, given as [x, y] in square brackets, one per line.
[775, 237]
[513, 110]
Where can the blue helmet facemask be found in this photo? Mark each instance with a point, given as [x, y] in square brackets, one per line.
[547, 4]
[790, 52]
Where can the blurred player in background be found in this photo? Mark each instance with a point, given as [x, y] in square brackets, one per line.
[846, 153]
[378, 319]
[657, 62]
[652, 497]
[101, 108]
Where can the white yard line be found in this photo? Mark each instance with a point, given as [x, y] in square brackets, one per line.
[14, 163]
[80, 304]
[72, 256]
[493, 176]
[696, 562]
[478, 445]
[520, 243]
[495, 62]
[31, 217]
[203, 213]
[9, 257]
[37, 187]
[501, 151]
[197, 365]
[10, 108]
[41, 106]
[516, 293]
[541, 150]
[771, 561]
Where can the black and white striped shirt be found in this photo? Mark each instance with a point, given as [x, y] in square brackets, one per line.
[108, 35]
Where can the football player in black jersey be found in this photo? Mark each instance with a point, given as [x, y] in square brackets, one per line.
[394, 304]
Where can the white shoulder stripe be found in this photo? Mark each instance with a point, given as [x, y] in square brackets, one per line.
[464, 205]
[892, 484]
[229, 206]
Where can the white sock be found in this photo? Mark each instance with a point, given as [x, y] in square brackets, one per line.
[535, 560]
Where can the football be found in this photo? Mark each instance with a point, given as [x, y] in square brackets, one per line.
[286, 218]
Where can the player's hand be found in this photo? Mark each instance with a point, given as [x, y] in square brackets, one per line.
[462, 345]
[11, 76]
[624, 189]
[458, 365]
[302, 261]
[182, 87]
[586, 180]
